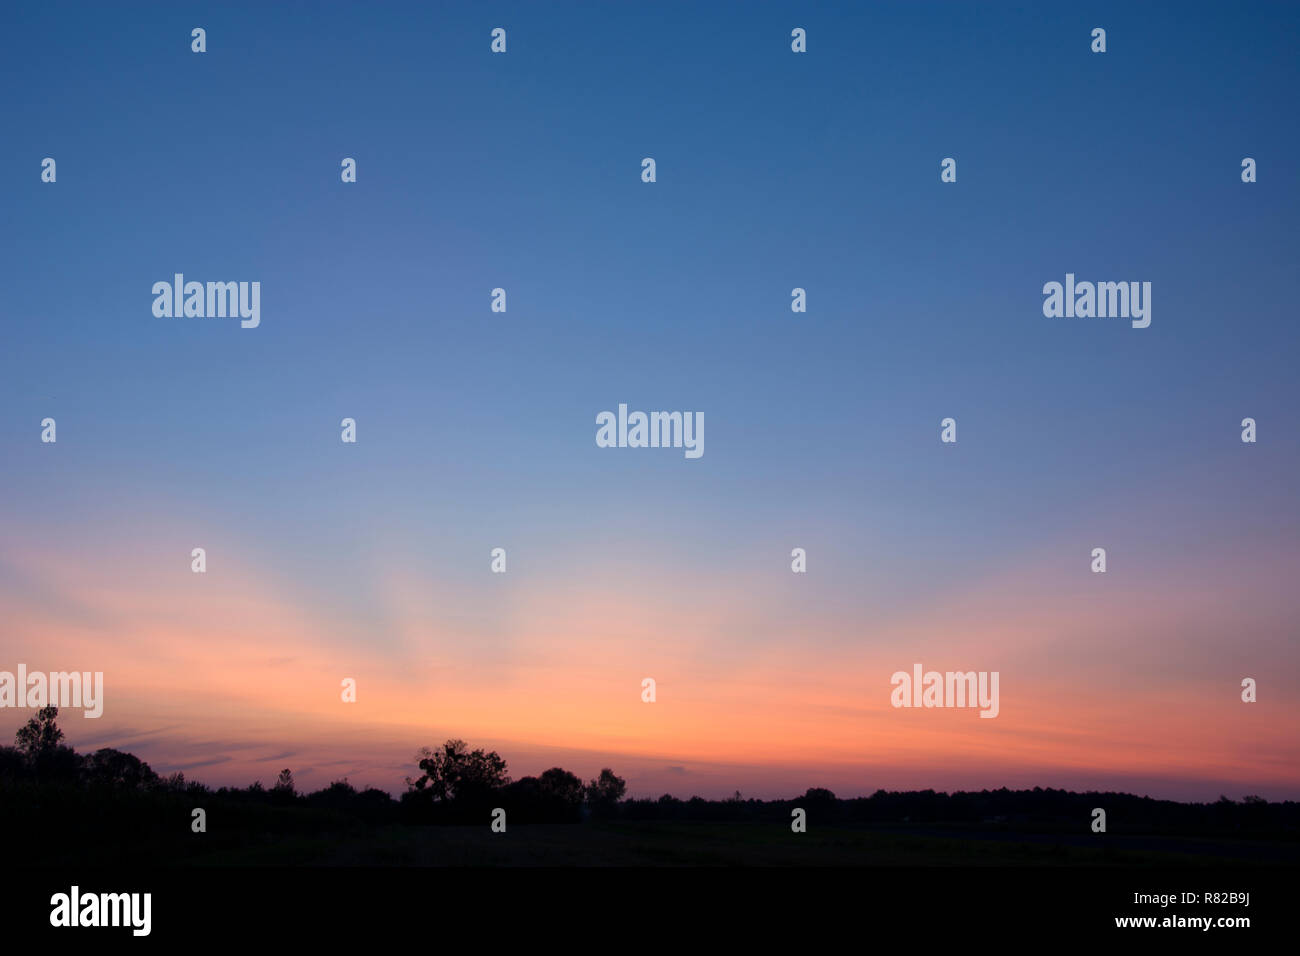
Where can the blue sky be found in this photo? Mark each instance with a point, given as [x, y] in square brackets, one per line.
[775, 170]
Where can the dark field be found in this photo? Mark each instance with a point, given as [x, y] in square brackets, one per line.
[703, 844]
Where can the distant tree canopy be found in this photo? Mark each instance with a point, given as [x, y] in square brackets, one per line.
[605, 791]
[39, 742]
[40, 735]
[456, 784]
[459, 785]
[114, 768]
[454, 773]
[42, 780]
[554, 797]
[563, 786]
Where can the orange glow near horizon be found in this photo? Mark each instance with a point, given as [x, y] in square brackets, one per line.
[216, 676]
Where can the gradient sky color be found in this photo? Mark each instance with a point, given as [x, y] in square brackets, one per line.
[476, 430]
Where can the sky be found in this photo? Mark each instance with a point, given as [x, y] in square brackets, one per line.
[476, 429]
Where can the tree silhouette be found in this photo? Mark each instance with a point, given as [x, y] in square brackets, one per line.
[605, 791]
[114, 768]
[454, 773]
[554, 797]
[818, 795]
[563, 787]
[39, 741]
[40, 735]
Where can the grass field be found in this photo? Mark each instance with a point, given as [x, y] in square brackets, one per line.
[731, 844]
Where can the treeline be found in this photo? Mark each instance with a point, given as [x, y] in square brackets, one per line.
[41, 777]
[1038, 810]
[456, 785]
